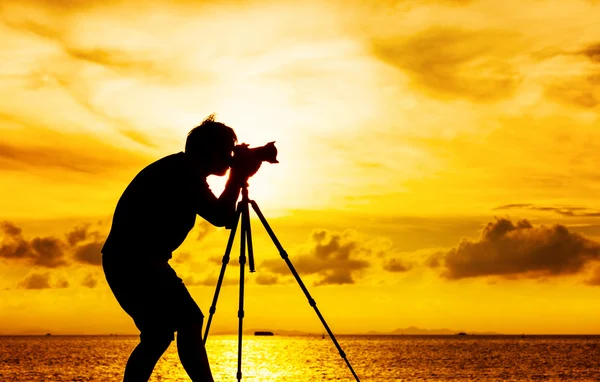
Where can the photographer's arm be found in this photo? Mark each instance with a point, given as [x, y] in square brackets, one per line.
[221, 211]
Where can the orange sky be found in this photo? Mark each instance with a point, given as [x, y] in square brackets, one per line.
[438, 158]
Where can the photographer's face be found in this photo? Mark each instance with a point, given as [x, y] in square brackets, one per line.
[221, 158]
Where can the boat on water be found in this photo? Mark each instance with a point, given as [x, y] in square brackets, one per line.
[263, 333]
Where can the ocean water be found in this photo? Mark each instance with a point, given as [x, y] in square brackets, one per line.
[311, 358]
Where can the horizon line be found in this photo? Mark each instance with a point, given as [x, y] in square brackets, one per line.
[291, 333]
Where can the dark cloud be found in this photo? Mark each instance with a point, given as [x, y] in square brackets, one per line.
[50, 251]
[90, 281]
[89, 253]
[592, 52]
[513, 205]
[435, 259]
[266, 279]
[564, 211]
[86, 244]
[395, 265]
[518, 250]
[336, 278]
[335, 258]
[36, 281]
[11, 229]
[46, 252]
[453, 63]
[77, 235]
[13, 246]
[233, 259]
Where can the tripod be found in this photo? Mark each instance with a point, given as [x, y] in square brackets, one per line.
[243, 213]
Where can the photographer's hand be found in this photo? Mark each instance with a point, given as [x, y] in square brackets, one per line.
[242, 169]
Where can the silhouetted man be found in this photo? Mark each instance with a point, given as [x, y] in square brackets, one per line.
[152, 219]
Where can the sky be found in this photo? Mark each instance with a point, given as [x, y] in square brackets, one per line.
[438, 159]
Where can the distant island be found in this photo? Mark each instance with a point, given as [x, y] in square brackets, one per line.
[263, 333]
[413, 330]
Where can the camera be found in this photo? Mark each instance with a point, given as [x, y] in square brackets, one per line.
[244, 154]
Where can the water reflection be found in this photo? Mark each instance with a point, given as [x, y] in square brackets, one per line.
[301, 359]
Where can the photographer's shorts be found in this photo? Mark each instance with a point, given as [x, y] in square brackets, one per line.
[153, 296]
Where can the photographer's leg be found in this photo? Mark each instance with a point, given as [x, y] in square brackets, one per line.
[192, 352]
[144, 357]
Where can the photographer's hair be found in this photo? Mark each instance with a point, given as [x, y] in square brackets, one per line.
[207, 135]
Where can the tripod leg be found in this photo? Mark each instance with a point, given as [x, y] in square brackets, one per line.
[245, 221]
[248, 230]
[213, 307]
[311, 301]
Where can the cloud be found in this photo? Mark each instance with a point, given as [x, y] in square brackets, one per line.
[592, 52]
[594, 280]
[86, 245]
[454, 63]
[80, 245]
[36, 281]
[204, 229]
[89, 253]
[564, 211]
[78, 234]
[581, 90]
[90, 281]
[266, 279]
[61, 4]
[83, 5]
[517, 250]
[13, 245]
[117, 59]
[142, 56]
[395, 265]
[208, 281]
[335, 258]
[233, 259]
[45, 252]
[41, 281]
[181, 257]
[36, 149]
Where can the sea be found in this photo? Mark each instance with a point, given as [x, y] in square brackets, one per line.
[316, 358]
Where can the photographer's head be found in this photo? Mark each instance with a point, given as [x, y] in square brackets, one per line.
[210, 146]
